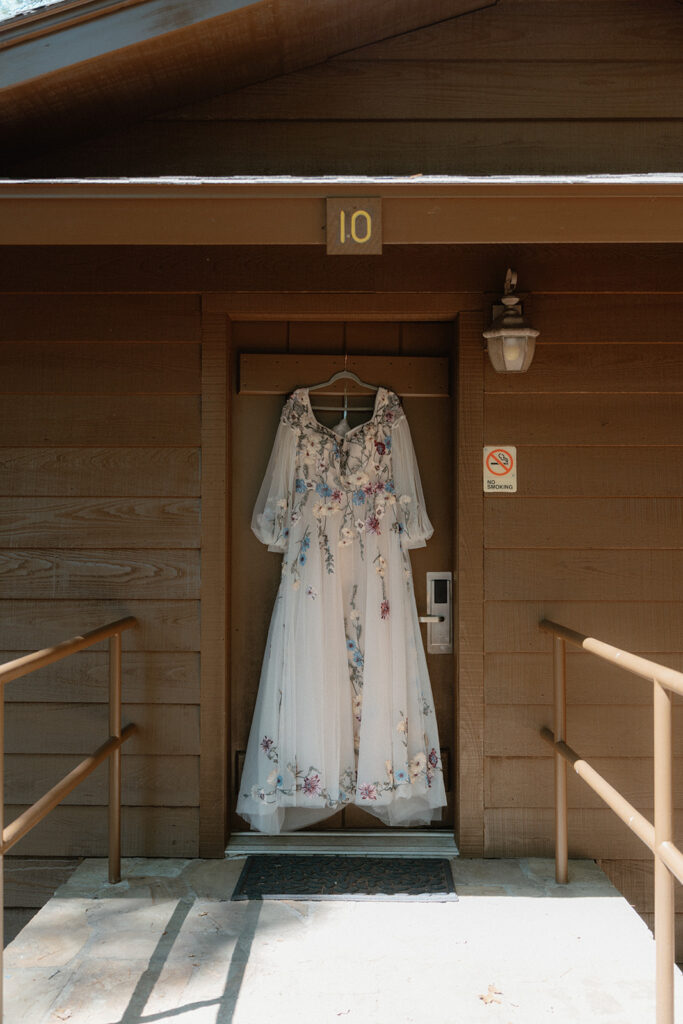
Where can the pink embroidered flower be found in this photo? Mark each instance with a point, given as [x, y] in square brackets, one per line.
[433, 758]
[379, 486]
[312, 785]
[380, 447]
[372, 525]
[266, 743]
[368, 791]
[384, 609]
[388, 415]
[336, 496]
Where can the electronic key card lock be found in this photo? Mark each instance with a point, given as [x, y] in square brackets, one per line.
[439, 617]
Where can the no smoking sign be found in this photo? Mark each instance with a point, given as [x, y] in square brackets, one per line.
[500, 469]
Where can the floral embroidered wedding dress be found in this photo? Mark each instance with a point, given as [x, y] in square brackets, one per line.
[344, 713]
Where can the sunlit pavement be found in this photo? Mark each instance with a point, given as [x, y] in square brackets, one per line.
[166, 944]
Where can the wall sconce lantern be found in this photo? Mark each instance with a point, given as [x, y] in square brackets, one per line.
[510, 340]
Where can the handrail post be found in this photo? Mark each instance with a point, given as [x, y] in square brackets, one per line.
[560, 730]
[664, 883]
[115, 759]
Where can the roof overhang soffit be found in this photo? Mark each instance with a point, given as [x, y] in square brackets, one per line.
[58, 38]
[275, 212]
[54, 39]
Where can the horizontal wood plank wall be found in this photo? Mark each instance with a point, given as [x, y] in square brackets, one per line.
[593, 539]
[584, 86]
[100, 518]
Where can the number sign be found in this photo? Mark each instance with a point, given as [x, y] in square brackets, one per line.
[354, 226]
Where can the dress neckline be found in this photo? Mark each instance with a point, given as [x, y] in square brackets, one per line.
[349, 433]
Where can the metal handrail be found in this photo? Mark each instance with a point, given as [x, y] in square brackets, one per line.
[111, 749]
[658, 837]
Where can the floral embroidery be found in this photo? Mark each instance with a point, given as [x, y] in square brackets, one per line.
[368, 791]
[417, 766]
[312, 785]
[372, 525]
[384, 610]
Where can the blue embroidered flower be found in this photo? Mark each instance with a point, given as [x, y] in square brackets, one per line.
[350, 645]
[324, 490]
[300, 485]
[389, 485]
[302, 558]
[305, 543]
[387, 443]
[400, 775]
[358, 497]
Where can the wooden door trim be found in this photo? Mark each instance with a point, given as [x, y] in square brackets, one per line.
[215, 554]
[470, 587]
[325, 306]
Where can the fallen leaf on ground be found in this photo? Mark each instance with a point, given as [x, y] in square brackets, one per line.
[490, 996]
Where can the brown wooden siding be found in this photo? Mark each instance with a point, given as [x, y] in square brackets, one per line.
[593, 539]
[523, 86]
[100, 498]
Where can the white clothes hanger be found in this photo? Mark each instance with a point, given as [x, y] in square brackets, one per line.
[344, 375]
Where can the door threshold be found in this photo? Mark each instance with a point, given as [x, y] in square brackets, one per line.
[379, 843]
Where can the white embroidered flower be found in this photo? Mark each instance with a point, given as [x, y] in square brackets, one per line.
[390, 770]
[379, 510]
[282, 503]
[272, 778]
[360, 525]
[311, 592]
[417, 766]
[319, 510]
[380, 565]
[390, 499]
[405, 499]
[355, 615]
[358, 479]
[310, 486]
[296, 516]
[296, 584]
[402, 725]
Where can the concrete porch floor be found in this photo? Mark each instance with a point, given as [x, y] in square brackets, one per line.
[166, 944]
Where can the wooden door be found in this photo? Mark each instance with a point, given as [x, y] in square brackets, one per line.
[256, 572]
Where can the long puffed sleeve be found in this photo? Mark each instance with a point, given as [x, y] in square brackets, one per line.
[411, 511]
[270, 520]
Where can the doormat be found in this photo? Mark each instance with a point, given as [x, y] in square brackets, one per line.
[325, 877]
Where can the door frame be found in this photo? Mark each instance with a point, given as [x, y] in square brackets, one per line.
[467, 391]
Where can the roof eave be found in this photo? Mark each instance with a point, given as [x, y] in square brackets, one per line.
[283, 211]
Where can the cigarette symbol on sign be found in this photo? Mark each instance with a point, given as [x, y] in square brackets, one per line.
[499, 462]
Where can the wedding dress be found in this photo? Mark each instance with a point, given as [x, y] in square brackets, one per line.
[344, 712]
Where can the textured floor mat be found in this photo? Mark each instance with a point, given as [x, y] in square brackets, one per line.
[291, 877]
